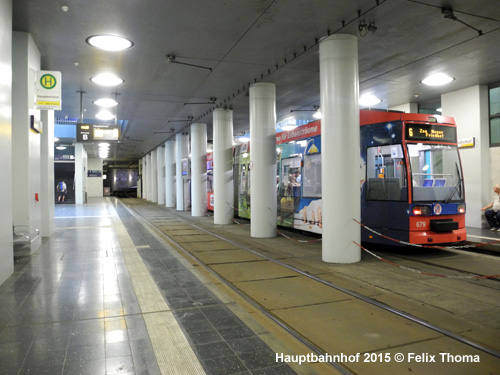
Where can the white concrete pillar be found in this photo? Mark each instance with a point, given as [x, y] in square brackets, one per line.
[6, 247]
[263, 205]
[150, 178]
[170, 174]
[47, 174]
[139, 182]
[95, 185]
[470, 109]
[160, 166]
[26, 179]
[181, 155]
[339, 92]
[154, 176]
[145, 166]
[80, 173]
[223, 166]
[198, 169]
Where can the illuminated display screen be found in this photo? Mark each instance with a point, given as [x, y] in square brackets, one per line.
[97, 132]
[106, 133]
[426, 132]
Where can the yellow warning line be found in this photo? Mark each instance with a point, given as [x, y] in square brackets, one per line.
[172, 350]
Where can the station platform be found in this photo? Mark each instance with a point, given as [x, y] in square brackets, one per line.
[128, 287]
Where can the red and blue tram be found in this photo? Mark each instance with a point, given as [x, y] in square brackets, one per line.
[412, 187]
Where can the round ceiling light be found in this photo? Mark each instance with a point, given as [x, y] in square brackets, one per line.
[107, 79]
[438, 79]
[318, 115]
[105, 116]
[106, 102]
[369, 100]
[111, 43]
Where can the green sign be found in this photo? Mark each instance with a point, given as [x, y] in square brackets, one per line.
[48, 81]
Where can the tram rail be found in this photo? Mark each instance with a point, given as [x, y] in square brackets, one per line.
[405, 315]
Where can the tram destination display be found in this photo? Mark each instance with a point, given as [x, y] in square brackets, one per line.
[436, 133]
[97, 132]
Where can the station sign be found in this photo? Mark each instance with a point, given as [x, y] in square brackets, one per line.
[466, 142]
[48, 90]
[97, 132]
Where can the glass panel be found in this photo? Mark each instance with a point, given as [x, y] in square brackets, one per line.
[291, 177]
[435, 172]
[312, 176]
[495, 101]
[386, 174]
[495, 131]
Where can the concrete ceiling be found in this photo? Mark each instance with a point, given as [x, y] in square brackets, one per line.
[251, 41]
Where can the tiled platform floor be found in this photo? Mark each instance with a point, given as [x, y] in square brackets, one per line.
[71, 307]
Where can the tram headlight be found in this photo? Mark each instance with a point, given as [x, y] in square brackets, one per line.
[461, 209]
[421, 210]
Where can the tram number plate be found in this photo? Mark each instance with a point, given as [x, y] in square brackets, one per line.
[421, 224]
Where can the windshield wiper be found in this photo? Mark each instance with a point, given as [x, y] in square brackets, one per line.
[458, 185]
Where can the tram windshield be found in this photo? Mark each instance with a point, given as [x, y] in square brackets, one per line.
[436, 173]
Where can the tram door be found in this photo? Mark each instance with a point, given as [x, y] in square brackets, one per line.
[244, 192]
[289, 189]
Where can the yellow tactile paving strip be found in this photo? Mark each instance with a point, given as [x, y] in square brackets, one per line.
[333, 321]
[172, 350]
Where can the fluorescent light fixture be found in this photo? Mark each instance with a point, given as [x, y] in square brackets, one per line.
[288, 127]
[369, 100]
[61, 147]
[318, 115]
[107, 79]
[243, 139]
[104, 145]
[105, 115]
[106, 102]
[111, 43]
[438, 79]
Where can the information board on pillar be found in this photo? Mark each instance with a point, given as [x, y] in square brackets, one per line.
[97, 132]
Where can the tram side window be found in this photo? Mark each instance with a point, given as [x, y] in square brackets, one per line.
[291, 177]
[386, 174]
[311, 179]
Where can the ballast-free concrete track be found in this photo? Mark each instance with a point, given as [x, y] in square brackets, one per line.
[339, 323]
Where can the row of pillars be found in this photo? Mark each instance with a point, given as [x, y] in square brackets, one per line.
[340, 175]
